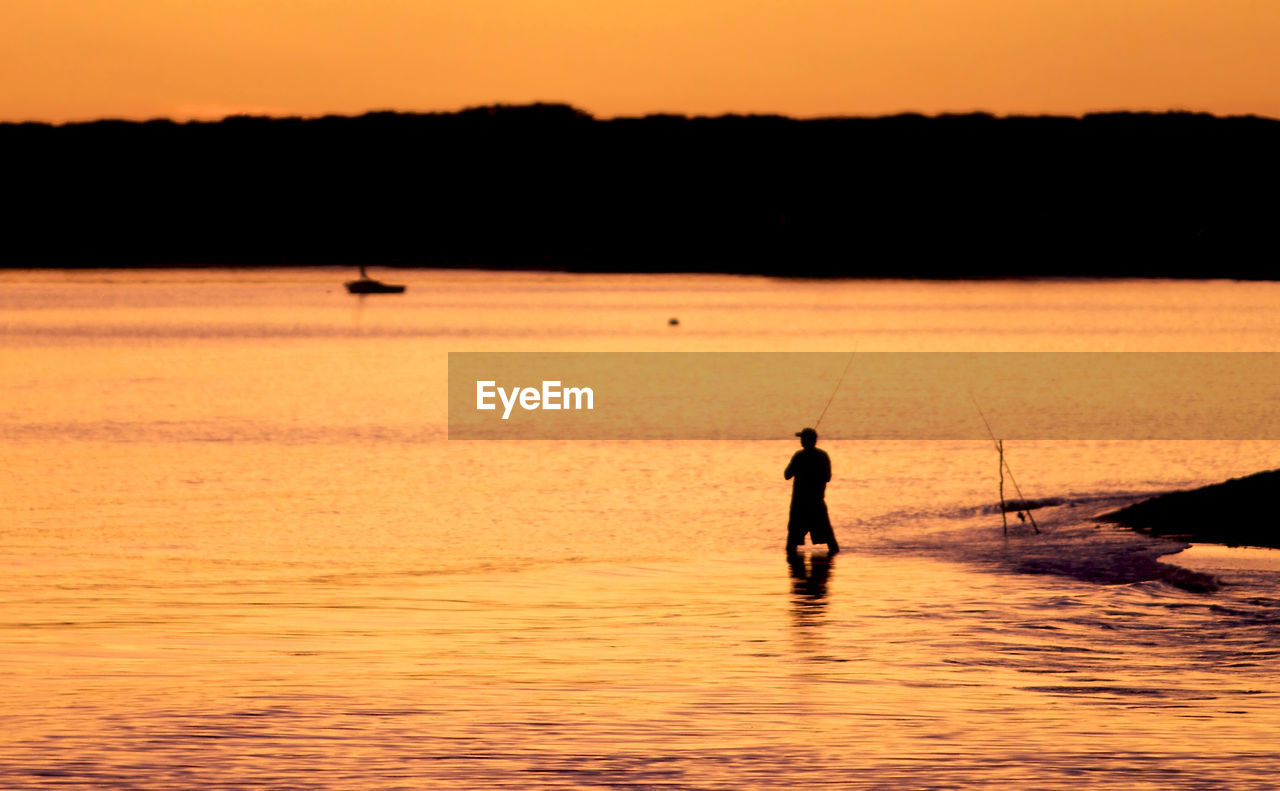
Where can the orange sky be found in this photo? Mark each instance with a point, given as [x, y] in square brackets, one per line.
[76, 59]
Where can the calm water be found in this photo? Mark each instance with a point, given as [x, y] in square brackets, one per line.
[238, 551]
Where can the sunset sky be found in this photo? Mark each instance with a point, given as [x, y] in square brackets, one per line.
[80, 59]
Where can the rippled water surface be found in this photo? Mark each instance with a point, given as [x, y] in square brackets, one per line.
[239, 552]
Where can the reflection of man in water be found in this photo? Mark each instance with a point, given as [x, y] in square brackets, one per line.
[811, 469]
[809, 582]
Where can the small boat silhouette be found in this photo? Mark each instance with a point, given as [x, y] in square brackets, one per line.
[366, 285]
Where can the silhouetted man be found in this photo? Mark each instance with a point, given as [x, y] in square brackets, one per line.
[811, 469]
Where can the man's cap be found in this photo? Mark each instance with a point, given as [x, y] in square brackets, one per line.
[807, 431]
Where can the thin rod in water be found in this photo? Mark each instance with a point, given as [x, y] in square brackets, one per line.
[1005, 465]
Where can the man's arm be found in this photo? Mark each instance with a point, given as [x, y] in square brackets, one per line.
[790, 472]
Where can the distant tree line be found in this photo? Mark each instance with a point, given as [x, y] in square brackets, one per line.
[550, 187]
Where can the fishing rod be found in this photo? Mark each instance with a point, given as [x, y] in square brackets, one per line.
[839, 382]
[1005, 467]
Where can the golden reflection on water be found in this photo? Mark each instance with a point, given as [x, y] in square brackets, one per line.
[239, 552]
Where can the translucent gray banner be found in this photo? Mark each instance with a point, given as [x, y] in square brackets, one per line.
[728, 395]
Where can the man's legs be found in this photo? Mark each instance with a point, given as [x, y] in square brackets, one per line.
[794, 542]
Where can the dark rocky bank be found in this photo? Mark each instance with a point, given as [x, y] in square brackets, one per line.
[1237, 512]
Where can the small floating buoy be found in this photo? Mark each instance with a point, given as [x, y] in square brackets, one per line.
[673, 321]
